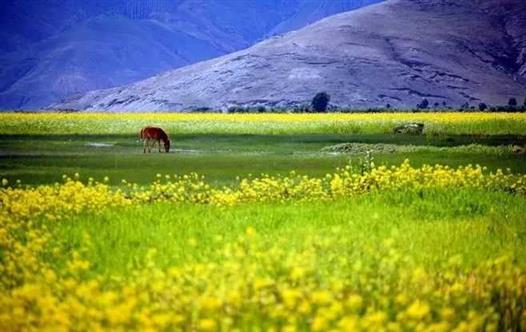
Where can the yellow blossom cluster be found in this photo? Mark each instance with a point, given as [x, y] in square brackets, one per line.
[75, 196]
[43, 286]
[344, 182]
[57, 200]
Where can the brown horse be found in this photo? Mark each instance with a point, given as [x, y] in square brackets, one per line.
[152, 135]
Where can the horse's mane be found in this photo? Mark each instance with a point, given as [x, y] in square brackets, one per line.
[164, 135]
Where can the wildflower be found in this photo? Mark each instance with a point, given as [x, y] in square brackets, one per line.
[250, 232]
[206, 325]
[354, 302]
[418, 310]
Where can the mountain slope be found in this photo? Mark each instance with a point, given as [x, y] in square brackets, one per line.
[309, 12]
[397, 52]
[55, 48]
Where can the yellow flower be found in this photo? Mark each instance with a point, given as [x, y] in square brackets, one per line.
[250, 231]
[418, 310]
[354, 302]
[206, 325]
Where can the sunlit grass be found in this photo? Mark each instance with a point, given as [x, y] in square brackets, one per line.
[433, 226]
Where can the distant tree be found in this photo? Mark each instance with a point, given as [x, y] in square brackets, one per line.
[512, 102]
[320, 102]
[436, 105]
[464, 106]
[483, 107]
[423, 105]
[524, 104]
[261, 109]
[388, 106]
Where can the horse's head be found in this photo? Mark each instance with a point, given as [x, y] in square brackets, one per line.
[167, 145]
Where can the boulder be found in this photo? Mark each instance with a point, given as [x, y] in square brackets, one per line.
[409, 128]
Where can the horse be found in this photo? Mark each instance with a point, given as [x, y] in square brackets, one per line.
[151, 135]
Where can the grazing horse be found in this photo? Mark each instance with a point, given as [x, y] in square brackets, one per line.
[152, 135]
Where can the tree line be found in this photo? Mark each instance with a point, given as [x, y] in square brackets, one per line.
[321, 104]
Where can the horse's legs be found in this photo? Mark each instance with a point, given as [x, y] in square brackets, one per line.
[159, 143]
[145, 142]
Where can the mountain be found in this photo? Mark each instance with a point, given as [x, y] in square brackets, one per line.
[309, 12]
[50, 49]
[396, 52]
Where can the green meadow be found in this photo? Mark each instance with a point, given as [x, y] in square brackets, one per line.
[38, 159]
[390, 254]
[432, 227]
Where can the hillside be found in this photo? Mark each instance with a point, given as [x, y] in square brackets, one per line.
[396, 52]
[53, 49]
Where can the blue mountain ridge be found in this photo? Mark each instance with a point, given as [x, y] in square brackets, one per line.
[397, 52]
[57, 48]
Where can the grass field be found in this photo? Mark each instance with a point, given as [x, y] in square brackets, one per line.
[40, 148]
[221, 158]
[391, 246]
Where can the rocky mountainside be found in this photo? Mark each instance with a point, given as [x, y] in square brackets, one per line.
[308, 12]
[50, 49]
[396, 52]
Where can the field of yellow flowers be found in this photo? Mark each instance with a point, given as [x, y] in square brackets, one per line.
[200, 123]
[400, 248]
